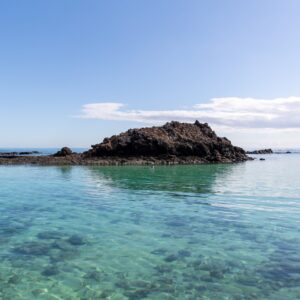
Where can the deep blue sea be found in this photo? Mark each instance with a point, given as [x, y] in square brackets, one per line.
[206, 232]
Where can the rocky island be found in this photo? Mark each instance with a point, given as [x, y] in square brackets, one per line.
[172, 143]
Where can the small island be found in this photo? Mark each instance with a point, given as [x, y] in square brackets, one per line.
[170, 144]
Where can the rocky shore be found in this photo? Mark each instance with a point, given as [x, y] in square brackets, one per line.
[262, 151]
[170, 144]
[13, 154]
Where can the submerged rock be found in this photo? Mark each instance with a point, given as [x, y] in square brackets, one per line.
[184, 253]
[32, 248]
[162, 269]
[50, 271]
[50, 235]
[62, 245]
[14, 279]
[12, 229]
[176, 222]
[159, 251]
[94, 275]
[219, 274]
[216, 268]
[63, 255]
[76, 240]
[137, 294]
[171, 258]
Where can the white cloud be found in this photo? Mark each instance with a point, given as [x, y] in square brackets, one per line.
[230, 112]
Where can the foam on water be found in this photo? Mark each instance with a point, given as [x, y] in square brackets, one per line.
[187, 232]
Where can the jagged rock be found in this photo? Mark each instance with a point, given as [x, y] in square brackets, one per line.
[173, 140]
[171, 144]
[65, 151]
[262, 151]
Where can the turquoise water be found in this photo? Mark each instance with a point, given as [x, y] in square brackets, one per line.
[186, 232]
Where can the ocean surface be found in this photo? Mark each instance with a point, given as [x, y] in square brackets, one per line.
[209, 232]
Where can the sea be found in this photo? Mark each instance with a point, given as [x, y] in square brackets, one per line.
[201, 232]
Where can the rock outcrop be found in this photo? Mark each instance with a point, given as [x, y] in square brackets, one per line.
[262, 151]
[172, 143]
[13, 154]
[173, 140]
[65, 151]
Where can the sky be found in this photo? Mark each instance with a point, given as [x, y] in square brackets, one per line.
[73, 72]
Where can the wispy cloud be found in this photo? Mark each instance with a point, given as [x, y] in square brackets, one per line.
[230, 112]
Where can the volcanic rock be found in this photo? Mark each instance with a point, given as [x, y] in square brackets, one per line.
[262, 151]
[171, 144]
[173, 140]
[65, 151]
[14, 154]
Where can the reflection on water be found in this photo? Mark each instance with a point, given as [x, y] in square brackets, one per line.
[192, 179]
[187, 232]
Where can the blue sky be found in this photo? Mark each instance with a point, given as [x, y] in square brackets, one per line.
[57, 57]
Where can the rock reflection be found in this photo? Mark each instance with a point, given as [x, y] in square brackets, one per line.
[175, 179]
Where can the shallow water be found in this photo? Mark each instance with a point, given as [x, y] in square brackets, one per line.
[188, 232]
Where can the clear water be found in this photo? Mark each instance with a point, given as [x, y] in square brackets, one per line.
[188, 232]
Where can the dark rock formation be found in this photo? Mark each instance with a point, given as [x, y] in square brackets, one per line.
[65, 151]
[76, 240]
[28, 152]
[32, 248]
[50, 271]
[14, 154]
[172, 140]
[172, 143]
[262, 151]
